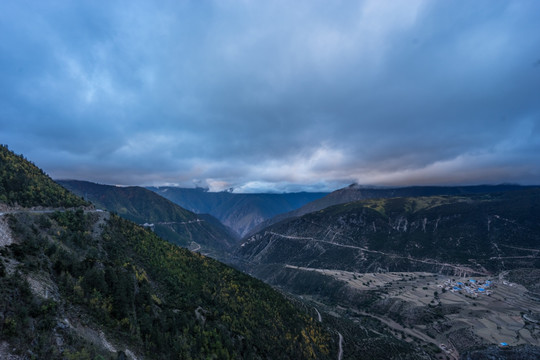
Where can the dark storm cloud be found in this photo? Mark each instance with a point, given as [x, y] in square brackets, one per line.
[265, 95]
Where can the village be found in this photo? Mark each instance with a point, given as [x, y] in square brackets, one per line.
[471, 287]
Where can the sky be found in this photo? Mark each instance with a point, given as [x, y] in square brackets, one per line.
[273, 96]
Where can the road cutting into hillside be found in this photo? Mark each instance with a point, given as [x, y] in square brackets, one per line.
[458, 268]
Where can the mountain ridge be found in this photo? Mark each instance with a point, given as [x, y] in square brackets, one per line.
[441, 269]
[404, 227]
[355, 192]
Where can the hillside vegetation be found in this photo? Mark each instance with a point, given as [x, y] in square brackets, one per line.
[158, 300]
[24, 184]
[408, 266]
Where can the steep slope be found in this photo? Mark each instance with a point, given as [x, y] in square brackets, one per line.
[241, 212]
[466, 234]
[356, 192]
[88, 285]
[24, 184]
[139, 293]
[168, 220]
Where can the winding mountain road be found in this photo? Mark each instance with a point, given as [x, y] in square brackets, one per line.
[459, 268]
[197, 248]
[318, 315]
[44, 211]
[340, 353]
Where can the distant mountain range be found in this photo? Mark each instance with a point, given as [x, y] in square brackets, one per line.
[240, 212]
[168, 220]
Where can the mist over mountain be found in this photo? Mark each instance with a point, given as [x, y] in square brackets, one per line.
[399, 92]
[240, 212]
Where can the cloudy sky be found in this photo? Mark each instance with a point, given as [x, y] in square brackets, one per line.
[273, 95]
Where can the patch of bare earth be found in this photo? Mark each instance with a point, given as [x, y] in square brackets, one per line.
[6, 237]
[43, 286]
[5, 352]
[99, 338]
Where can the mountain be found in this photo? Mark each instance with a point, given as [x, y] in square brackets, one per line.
[475, 234]
[357, 192]
[459, 273]
[86, 284]
[240, 212]
[83, 283]
[24, 184]
[168, 220]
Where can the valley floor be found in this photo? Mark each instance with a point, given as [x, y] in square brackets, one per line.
[482, 311]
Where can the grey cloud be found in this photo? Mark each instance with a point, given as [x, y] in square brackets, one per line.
[239, 93]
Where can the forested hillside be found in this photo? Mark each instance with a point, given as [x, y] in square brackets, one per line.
[24, 184]
[439, 269]
[75, 270]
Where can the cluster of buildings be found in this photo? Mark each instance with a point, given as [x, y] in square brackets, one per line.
[471, 287]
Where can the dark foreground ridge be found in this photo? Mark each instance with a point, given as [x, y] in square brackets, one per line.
[71, 277]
